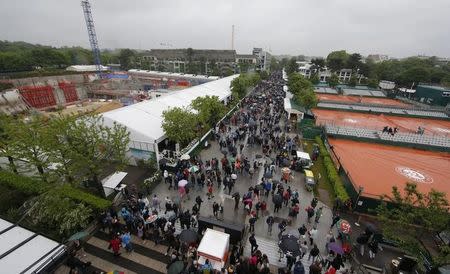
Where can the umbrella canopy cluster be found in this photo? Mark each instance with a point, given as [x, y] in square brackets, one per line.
[288, 245]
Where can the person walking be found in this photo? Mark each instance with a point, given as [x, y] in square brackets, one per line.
[313, 233]
[126, 241]
[314, 253]
[373, 249]
[199, 201]
[304, 248]
[270, 220]
[254, 245]
[114, 244]
[299, 268]
[302, 231]
[309, 213]
[237, 198]
[336, 219]
[215, 209]
[315, 268]
[318, 214]
[252, 222]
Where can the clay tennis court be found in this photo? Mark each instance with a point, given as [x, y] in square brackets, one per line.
[379, 121]
[378, 168]
[358, 99]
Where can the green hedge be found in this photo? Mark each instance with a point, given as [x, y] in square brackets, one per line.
[30, 186]
[83, 197]
[26, 185]
[332, 173]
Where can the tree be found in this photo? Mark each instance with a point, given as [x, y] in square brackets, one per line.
[306, 98]
[28, 143]
[58, 213]
[318, 62]
[291, 66]
[264, 75]
[415, 75]
[126, 58]
[210, 110]
[413, 214]
[298, 83]
[315, 78]
[333, 80]
[274, 64]
[94, 146]
[354, 61]
[353, 80]
[372, 83]
[6, 148]
[337, 60]
[180, 125]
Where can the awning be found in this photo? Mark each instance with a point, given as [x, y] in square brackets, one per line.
[114, 180]
[288, 107]
[303, 155]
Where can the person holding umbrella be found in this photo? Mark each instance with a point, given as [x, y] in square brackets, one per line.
[254, 245]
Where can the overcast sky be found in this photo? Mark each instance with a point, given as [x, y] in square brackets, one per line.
[311, 27]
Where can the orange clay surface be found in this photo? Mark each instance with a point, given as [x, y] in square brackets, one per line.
[358, 99]
[378, 168]
[379, 121]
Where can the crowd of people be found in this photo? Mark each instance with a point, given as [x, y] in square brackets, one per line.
[260, 124]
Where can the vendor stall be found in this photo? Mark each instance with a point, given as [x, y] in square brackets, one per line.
[113, 182]
[214, 247]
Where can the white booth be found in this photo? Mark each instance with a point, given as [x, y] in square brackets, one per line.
[303, 156]
[112, 183]
[214, 247]
[291, 111]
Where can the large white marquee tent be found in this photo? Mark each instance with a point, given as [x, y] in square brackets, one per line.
[144, 120]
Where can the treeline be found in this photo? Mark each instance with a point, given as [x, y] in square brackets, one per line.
[22, 56]
[404, 72]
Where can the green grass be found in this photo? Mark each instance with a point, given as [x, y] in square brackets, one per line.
[319, 168]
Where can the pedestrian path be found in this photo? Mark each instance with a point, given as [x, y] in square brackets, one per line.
[270, 248]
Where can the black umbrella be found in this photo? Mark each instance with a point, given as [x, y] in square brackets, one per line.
[268, 175]
[258, 156]
[370, 227]
[288, 244]
[277, 199]
[188, 236]
[176, 267]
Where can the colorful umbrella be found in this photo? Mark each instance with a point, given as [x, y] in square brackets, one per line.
[286, 170]
[336, 248]
[182, 183]
[185, 157]
[193, 169]
[78, 235]
[344, 227]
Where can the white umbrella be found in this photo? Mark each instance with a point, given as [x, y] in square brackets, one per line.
[185, 157]
[182, 183]
[233, 176]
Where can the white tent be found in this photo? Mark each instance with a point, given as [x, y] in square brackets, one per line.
[290, 110]
[214, 247]
[111, 182]
[23, 251]
[86, 68]
[144, 119]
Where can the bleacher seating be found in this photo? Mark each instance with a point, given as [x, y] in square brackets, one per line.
[387, 110]
[406, 138]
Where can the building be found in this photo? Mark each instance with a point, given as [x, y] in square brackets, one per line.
[377, 58]
[263, 59]
[144, 120]
[305, 68]
[433, 95]
[195, 61]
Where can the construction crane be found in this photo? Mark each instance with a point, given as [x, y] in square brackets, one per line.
[92, 36]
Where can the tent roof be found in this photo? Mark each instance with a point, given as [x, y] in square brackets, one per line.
[114, 180]
[291, 107]
[144, 119]
[214, 243]
[23, 251]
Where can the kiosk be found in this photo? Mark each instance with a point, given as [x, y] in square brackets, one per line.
[214, 247]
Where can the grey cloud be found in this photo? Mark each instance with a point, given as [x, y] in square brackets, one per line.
[394, 27]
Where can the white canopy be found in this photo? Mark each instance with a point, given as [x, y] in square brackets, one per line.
[86, 68]
[213, 246]
[303, 155]
[24, 251]
[144, 119]
[288, 107]
[114, 180]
